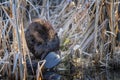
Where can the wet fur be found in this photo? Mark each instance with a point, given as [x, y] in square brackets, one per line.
[41, 38]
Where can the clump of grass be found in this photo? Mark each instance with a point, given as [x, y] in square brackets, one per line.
[87, 31]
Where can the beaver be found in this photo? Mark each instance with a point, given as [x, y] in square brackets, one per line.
[41, 38]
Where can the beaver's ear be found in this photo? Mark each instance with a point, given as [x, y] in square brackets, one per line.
[41, 21]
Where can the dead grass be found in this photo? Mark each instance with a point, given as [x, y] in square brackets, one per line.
[82, 28]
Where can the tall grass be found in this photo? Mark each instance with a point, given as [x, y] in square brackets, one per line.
[87, 31]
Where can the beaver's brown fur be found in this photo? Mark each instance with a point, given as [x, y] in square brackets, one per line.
[41, 38]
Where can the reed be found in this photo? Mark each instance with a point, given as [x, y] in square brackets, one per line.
[88, 30]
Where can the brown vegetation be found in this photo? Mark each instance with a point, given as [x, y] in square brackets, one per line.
[89, 33]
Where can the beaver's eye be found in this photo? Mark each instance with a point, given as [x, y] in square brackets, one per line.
[32, 39]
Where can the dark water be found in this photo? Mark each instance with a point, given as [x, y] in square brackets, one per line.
[92, 74]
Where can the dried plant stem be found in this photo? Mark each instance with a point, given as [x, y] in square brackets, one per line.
[96, 24]
[112, 21]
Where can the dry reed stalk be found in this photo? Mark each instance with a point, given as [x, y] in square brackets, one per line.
[43, 9]
[39, 70]
[15, 9]
[96, 24]
[112, 25]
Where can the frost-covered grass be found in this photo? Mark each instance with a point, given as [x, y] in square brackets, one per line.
[81, 27]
